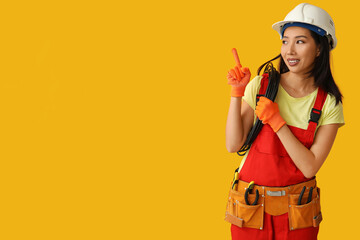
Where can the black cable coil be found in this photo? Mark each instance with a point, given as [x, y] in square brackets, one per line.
[271, 91]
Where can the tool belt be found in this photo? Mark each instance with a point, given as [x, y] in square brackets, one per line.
[303, 210]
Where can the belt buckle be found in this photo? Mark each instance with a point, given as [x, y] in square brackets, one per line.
[276, 193]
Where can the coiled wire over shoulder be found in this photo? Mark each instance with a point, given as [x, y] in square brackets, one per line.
[271, 91]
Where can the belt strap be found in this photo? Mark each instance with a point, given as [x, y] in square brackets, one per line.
[277, 191]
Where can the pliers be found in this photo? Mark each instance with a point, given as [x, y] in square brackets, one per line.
[248, 190]
[236, 179]
[302, 193]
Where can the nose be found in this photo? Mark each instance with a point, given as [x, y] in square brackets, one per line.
[291, 49]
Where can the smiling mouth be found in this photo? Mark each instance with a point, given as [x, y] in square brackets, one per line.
[293, 62]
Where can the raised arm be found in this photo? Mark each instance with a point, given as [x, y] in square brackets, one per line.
[241, 115]
[239, 122]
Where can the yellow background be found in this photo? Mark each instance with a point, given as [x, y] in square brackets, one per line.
[113, 116]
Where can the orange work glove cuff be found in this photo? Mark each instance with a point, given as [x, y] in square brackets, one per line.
[237, 91]
[277, 122]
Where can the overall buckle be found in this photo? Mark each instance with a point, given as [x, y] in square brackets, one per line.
[315, 115]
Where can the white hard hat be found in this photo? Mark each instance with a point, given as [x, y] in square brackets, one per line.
[311, 17]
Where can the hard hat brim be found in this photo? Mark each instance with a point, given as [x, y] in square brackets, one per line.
[277, 27]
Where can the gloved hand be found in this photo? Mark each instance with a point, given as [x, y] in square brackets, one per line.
[238, 77]
[268, 112]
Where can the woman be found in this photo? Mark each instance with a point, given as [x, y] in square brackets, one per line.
[299, 129]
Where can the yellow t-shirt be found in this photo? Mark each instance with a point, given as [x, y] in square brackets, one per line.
[296, 111]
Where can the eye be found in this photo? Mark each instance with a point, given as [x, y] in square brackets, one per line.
[284, 42]
[300, 41]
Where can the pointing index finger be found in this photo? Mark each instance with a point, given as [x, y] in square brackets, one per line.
[237, 60]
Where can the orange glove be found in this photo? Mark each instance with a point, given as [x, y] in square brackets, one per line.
[268, 112]
[238, 77]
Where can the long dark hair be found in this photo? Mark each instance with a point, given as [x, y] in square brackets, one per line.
[321, 70]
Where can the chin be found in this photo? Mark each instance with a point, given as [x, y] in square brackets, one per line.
[295, 69]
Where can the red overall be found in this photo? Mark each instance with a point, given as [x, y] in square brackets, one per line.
[269, 164]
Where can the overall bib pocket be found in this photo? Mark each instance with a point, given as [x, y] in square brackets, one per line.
[243, 215]
[307, 214]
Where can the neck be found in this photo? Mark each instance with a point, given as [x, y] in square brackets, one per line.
[298, 82]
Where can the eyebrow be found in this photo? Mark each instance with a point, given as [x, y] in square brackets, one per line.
[297, 36]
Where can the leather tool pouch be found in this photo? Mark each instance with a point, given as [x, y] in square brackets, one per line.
[306, 214]
[243, 215]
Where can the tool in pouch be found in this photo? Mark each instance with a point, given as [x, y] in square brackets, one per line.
[244, 208]
[249, 190]
[302, 194]
[305, 211]
[318, 218]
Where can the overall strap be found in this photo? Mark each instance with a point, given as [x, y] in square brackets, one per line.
[264, 84]
[315, 114]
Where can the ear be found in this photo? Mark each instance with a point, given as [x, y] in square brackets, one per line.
[318, 52]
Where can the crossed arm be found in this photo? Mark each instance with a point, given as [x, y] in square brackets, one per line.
[309, 161]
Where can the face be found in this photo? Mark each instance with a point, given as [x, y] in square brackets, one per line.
[299, 50]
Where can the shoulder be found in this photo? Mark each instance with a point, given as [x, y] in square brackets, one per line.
[332, 112]
[251, 90]
[255, 82]
[330, 103]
